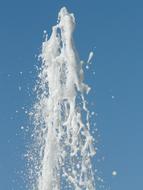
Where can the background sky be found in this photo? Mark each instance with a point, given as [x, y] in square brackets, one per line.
[114, 31]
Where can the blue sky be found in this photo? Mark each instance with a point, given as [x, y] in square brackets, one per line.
[114, 31]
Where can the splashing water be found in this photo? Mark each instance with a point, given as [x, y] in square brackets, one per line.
[63, 146]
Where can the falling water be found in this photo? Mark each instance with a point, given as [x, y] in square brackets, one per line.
[63, 145]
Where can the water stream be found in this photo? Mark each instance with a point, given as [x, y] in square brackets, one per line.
[63, 145]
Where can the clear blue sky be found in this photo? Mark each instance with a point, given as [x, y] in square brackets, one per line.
[115, 28]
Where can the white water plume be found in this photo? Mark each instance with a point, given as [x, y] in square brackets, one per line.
[63, 146]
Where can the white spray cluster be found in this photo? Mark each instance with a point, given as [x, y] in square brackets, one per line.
[65, 145]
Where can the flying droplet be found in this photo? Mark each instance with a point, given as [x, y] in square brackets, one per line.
[114, 173]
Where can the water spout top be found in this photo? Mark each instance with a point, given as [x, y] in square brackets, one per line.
[66, 20]
[63, 12]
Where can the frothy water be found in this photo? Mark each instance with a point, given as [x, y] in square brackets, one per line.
[63, 145]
